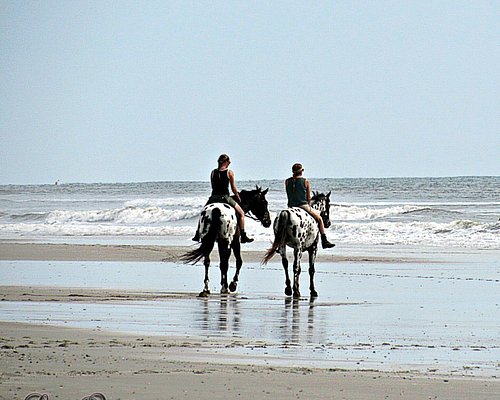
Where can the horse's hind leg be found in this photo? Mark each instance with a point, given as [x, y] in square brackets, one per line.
[288, 282]
[297, 255]
[284, 262]
[224, 253]
[312, 259]
[206, 291]
[239, 262]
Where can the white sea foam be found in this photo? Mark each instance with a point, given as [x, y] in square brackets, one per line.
[358, 213]
[44, 230]
[466, 234]
[461, 233]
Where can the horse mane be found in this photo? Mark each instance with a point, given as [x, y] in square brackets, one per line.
[249, 193]
[257, 189]
[317, 196]
[257, 195]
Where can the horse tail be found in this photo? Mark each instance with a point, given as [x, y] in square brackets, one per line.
[208, 241]
[279, 237]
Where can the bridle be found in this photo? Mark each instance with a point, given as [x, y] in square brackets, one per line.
[248, 214]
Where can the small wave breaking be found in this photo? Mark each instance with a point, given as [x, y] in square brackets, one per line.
[128, 215]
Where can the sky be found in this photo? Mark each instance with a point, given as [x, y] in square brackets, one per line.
[132, 91]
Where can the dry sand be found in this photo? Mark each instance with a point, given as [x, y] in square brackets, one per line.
[73, 363]
[68, 363]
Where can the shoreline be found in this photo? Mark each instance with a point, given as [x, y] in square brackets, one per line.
[24, 251]
[72, 363]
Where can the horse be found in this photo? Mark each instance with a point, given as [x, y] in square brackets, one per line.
[296, 228]
[218, 223]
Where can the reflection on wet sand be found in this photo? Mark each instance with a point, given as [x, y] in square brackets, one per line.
[219, 316]
[298, 333]
[232, 316]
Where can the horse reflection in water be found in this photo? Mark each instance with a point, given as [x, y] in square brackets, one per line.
[218, 223]
[220, 316]
[293, 306]
[277, 323]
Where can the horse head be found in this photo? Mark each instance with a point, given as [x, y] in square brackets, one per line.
[254, 201]
[321, 202]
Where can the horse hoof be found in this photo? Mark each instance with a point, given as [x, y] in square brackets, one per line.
[232, 286]
[288, 291]
[296, 295]
[314, 293]
[224, 291]
[204, 293]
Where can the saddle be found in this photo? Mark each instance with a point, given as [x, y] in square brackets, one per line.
[217, 198]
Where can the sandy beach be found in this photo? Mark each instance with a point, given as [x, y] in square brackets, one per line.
[72, 363]
[15, 250]
[218, 347]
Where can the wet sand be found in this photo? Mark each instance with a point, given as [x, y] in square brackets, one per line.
[12, 250]
[384, 327]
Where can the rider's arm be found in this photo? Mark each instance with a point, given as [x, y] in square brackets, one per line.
[308, 192]
[233, 185]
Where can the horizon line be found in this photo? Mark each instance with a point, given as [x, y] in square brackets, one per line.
[59, 182]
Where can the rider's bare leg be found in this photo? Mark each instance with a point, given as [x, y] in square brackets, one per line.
[241, 218]
[324, 241]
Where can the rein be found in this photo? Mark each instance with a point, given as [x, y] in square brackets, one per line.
[247, 212]
[248, 215]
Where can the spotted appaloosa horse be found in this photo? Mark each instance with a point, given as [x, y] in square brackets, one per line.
[296, 228]
[218, 223]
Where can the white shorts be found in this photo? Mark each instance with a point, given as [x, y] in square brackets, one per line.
[306, 207]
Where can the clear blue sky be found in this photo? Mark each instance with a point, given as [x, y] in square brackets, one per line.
[122, 91]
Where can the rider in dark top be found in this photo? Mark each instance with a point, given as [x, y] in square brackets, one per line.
[221, 178]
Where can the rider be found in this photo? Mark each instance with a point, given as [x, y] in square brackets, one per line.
[220, 179]
[298, 191]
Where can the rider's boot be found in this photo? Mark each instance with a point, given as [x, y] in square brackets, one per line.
[244, 238]
[325, 243]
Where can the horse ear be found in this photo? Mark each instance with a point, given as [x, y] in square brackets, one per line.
[328, 195]
[265, 192]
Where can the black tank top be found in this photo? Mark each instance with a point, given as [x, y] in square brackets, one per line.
[220, 182]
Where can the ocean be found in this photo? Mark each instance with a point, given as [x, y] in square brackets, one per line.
[461, 212]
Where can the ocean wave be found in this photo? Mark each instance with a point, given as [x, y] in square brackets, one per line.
[39, 216]
[78, 230]
[127, 215]
[197, 202]
[359, 213]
